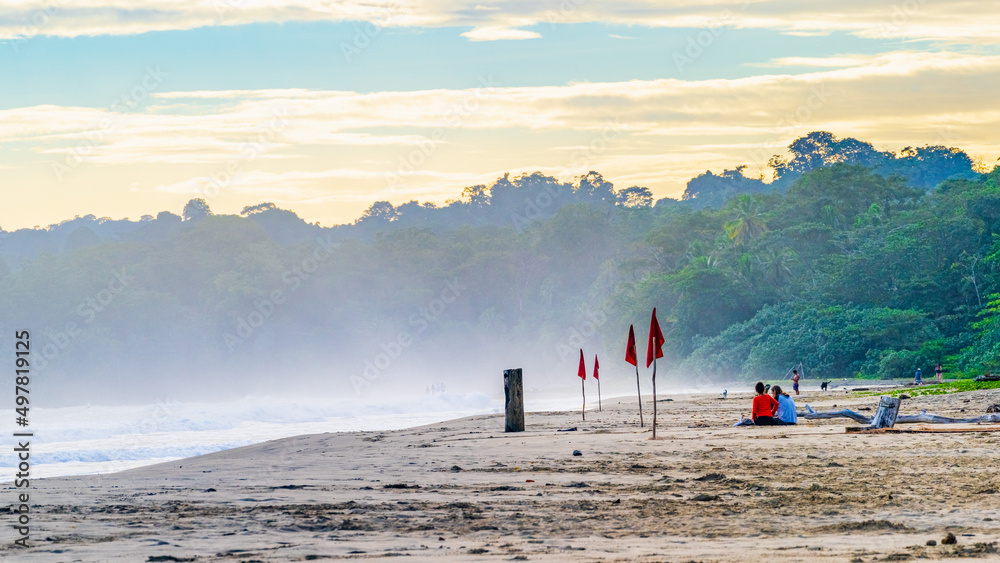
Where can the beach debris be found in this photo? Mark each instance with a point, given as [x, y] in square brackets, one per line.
[567, 430]
[702, 497]
[950, 539]
[993, 408]
[399, 486]
[921, 430]
[935, 419]
[456, 469]
[529, 480]
[577, 485]
[711, 477]
[209, 490]
[616, 501]
[577, 453]
[888, 410]
[932, 543]
[900, 418]
[904, 397]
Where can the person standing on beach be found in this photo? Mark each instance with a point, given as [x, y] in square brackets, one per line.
[764, 407]
[795, 381]
[938, 372]
[917, 377]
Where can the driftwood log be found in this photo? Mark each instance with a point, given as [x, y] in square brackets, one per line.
[811, 414]
[935, 419]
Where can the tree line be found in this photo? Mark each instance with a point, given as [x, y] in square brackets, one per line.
[852, 261]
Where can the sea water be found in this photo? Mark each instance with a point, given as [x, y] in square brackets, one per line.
[103, 439]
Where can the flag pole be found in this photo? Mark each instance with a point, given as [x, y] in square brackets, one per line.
[639, 392]
[654, 397]
[582, 373]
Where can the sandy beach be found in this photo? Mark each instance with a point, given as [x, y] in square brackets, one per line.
[465, 490]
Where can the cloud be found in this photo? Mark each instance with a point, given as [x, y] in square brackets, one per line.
[859, 87]
[818, 61]
[963, 21]
[317, 146]
[499, 33]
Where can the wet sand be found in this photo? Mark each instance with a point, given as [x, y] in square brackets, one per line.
[464, 490]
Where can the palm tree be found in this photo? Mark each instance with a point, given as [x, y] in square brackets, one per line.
[778, 266]
[749, 222]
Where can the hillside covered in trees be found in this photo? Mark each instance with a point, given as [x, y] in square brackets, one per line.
[852, 261]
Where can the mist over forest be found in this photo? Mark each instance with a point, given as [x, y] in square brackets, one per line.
[850, 260]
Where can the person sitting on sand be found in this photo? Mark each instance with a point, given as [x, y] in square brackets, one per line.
[786, 407]
[764, 407]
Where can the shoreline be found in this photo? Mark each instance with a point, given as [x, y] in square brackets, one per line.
[463, 488]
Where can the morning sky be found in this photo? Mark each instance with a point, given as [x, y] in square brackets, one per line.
[124, 108]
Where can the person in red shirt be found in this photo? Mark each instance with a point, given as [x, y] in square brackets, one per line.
[764, 407]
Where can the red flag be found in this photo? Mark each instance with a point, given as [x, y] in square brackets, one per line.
[596, 366]
[655, 340]
[583, 368]
[630, 355]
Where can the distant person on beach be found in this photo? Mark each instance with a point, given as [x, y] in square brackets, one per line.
[764, 407]
[938, 372]
[795, 381]
[917, 377]
[786, 406]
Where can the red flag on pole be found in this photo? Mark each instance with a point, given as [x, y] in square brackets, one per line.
[630, 355]
[655, 340]
[583, 368]
[597, 366]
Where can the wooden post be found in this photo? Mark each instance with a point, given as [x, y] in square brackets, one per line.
[513, 400]
[583, 391]
[885, 416]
